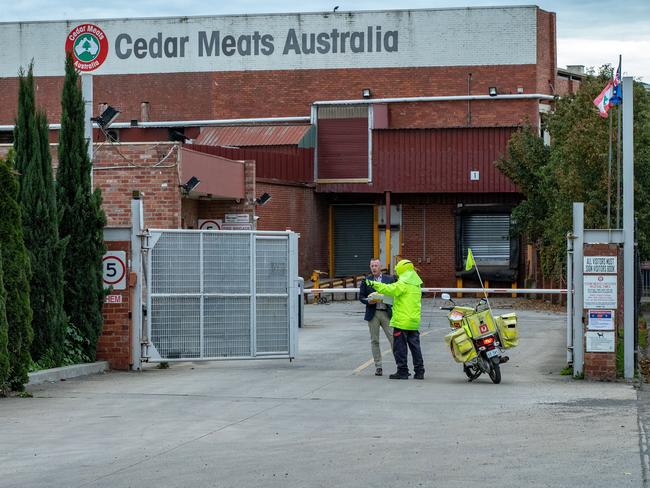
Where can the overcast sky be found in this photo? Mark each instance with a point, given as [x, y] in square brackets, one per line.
[589, 32]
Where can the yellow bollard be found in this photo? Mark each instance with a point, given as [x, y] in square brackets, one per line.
[315, 279]
[514, 287]
[459, 284]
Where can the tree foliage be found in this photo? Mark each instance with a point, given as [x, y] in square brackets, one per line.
[574, 168]
[82, 218]
[37, 196]
[16, 274]
[4, 335]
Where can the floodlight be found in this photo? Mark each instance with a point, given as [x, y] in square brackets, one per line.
[263, 199]
[192, 183]
[107, 117]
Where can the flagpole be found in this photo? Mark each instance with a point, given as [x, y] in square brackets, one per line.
[618, 156]
[483, 288]
[609, 176]
[470, 259]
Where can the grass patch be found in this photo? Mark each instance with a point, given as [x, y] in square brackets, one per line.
[567, 371]
[620, 354]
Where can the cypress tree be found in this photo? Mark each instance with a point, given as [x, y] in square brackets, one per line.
[4, 329]
[15, 263]
[82, 218]
[37, 197]
[25, 129]
[41, 231]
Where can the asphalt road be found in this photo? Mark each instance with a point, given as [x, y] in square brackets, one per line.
[325, 420]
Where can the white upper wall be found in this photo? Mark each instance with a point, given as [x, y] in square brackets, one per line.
[443, 37]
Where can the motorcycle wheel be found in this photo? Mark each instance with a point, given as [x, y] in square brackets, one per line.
[471, 373]
[495, 370]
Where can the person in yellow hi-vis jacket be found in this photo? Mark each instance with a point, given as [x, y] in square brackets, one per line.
[407, 305]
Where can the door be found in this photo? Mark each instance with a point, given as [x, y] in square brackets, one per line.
[353, 239]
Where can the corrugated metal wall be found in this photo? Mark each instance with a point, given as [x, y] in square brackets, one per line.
[435, 161]
[288, 163]
[342, 142]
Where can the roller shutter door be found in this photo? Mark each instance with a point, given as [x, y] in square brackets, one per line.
[488, 235]
[353, 239]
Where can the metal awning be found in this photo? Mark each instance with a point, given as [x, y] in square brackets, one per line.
[219, 177]
[256, 135]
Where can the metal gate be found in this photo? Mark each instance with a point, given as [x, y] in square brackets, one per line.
[221, 295]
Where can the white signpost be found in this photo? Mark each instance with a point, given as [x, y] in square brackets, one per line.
[114, 265]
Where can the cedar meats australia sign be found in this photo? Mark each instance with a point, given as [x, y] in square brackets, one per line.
[88, 45]
[295, 41]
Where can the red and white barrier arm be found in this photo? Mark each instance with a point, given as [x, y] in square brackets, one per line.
[489, 291]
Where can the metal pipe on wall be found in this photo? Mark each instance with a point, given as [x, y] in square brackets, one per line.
[469, 101]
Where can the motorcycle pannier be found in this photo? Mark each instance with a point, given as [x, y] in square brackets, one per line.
[462, 347]
[507, 325]
[480, 323]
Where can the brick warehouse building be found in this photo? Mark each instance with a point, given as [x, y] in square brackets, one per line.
[337, 116]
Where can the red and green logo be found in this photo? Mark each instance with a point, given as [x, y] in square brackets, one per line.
[88, 45]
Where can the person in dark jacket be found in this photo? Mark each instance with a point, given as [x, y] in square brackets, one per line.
[378, 314]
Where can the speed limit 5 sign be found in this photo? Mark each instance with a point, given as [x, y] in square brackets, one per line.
[114, 264]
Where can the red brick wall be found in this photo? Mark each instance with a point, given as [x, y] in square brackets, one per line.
[482, 113]
[300, 209]
[428, 240]
[546, 51]
[121, 169]
[211, 95]
[602, 365]
[566, 86]
[114, 344]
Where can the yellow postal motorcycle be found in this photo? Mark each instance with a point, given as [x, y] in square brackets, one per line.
[478, 340]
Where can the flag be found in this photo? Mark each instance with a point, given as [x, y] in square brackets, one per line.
[617, 96]
[470, 263]
[604, 100]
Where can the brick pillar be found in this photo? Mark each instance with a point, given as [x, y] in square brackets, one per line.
[602, 365]
[114, 344]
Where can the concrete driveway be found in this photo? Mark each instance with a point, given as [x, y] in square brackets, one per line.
[325, 420]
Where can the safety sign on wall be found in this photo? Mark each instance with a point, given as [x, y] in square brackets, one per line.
[600, 264]
[210, 224]
[600, 291]
[601, 320]
[600, 341]
[114, 266]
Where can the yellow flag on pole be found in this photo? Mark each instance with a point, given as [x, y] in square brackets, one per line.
[470, 263]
